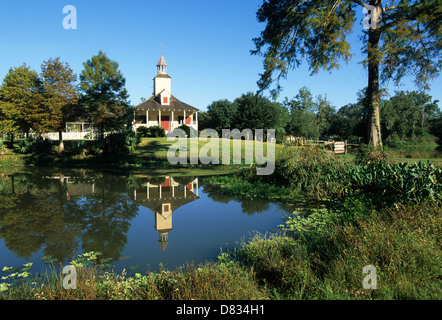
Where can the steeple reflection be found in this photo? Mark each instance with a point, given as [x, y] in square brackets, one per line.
[163, 197]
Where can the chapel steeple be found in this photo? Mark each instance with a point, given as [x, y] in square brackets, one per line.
[162, 65]
[162, 82]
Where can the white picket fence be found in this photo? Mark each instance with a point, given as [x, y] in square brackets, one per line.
[67, 135]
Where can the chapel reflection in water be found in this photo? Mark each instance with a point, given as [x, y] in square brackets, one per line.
[163, 198]
[63, 213]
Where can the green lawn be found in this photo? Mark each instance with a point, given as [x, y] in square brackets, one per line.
[158, 147]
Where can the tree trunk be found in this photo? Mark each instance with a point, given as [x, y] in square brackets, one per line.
[373, 94]
[60, 142]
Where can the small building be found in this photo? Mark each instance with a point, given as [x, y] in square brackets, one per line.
[162, 108]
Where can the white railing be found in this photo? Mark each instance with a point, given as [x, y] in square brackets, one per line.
[172, 125]
[67, 135]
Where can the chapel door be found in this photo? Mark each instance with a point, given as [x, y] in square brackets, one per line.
[165, 123]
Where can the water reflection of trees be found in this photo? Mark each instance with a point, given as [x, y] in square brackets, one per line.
[40, 211]
[248, 206]
[65, 213]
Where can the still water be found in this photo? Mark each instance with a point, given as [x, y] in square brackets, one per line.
[138, 222]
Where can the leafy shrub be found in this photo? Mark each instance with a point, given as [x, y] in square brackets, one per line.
[120, 143]
[316, 174]
[311, 171]
[2, 147]
[79, 148]
[32, 145]
[156, 132]
[143, 132]
[419, 182]
[370, 154]
[151, 132]
[188, 131]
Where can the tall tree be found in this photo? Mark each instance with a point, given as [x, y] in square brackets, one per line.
[348, 121]
[60, 95]
[324, 113]
[403, 37]
[257, 112]
[103, 93]
[20, 98]
[408, 114]
[222, 114]
[302, 115]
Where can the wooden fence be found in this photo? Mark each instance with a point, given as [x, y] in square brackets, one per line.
[339, 147]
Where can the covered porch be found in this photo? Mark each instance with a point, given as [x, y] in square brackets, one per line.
[166, 119]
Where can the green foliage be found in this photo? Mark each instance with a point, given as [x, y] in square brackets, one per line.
[238, 186]
[408, 115]
[156, 132]
[349, 121]
[316, 31]
[15, 276]
[80, 147]
[104, 97]
[20, 100]
[302, 116]
[120, 143]
[312, 172]
[151, 132]
[370, 154]
[60, 94]
[143, 132]
[402, 243]
[257, 112]
[221, 114]
[2, 147]
[401, 183]
[188, 131]
[208, 282]
[305, 219]
[33, 145]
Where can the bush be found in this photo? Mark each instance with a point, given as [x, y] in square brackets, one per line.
[419, 182]
[143, 132]
[32, 145]
[187, 131]
[2, 147]
[156, 132]
[120, 143]
[311, 171]
[370, 154]
[79, 148]
[151, 132]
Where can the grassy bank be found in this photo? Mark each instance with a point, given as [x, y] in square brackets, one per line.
[402, 243]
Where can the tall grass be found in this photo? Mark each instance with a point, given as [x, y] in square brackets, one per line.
[207, 282]
[403, 244]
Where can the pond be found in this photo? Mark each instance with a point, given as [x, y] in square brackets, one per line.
[137, 222]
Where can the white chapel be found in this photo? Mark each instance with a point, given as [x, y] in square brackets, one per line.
[162, 108]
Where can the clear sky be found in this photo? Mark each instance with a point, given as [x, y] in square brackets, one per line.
[206, 44]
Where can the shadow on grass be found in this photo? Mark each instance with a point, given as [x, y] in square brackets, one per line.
[153, 148]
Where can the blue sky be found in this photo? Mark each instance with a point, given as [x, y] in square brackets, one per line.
[206, 45]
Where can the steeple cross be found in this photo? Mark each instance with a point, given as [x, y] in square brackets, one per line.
[162, 45]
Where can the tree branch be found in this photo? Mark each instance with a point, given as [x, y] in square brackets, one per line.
[360, 3]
